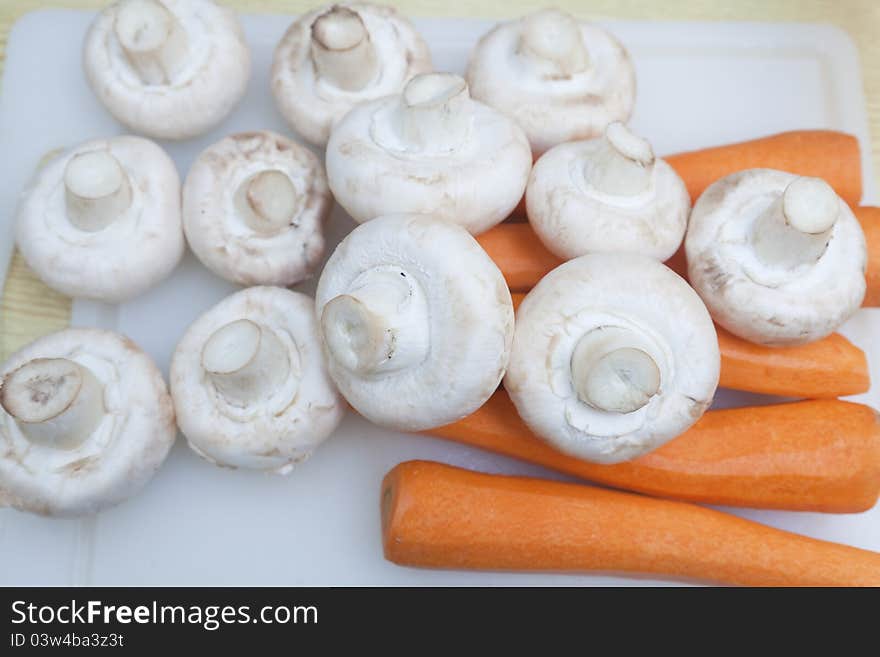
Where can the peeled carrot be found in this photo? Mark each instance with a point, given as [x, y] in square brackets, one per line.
[826, 154]
[833, 156]
[819, 455]
[519, 254]
[524, 261]
[828, 368]
[869, 218]
[439, 516]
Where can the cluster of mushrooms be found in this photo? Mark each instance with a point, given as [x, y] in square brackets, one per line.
[611, 354]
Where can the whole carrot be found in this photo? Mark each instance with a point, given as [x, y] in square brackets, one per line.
[833, 156]
[820, 455]
[828, 368]
[439, 516]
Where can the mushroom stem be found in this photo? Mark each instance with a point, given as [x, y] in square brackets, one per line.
[795, 229]
[435, 112]
[55, 402]
[341, 49]
[610, 374]
[380, 325]
[267, 201]
[624, 164]
[551, 40]
[245, 361]
[153, 40]
[97, 190]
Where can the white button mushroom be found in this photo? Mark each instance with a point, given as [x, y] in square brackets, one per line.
[254, 206]
[335, 57]
[607, 194]
[85, 422]
[103, 221]
[416, 321]
[169, 69]
[778, 259]
[559, 78]
[249, 383]
[614, 355]
[433, 150]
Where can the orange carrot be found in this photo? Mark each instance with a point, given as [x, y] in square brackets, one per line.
[820, 455]
[826, 154]
[869, 218]
[831, 367]
[439, 516]
[828, 368]
[519, 254]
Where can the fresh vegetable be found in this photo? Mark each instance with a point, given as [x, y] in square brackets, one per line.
[439, 516]
[559, 78]
[608, 194]
[85, 422]
[416, 321]
[778, 259]
[336, 56]
[420, 151]
[832, 156]
[254, 207]
[102, 220]
[520, 255]
[249, 382]
[613, 355]
[827, 368]
[523, 260]
[817, 455]
[869, 218]
[168, 70]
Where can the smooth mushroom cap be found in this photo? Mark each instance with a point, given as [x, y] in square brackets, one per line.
[431, 149]
[85, 422]
[777, 259]
[558, 78]
[249, 382]
[335, 57]
[614, 354]
[416, 321]
[169, 69]
[102, 221]
[254, 206]
[607, 194]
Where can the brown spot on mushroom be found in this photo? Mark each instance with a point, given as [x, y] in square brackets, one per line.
[714, 274]
[81, 466]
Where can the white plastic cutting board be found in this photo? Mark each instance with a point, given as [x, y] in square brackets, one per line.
[699, 85]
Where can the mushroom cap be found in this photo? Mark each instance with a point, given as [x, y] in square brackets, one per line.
[571, 217]
[605, 290]
[283, 429]
[761, 303]
[476, 186]
[554, 109]
[120, 456]
[470, 321]
[134, 252]
[313, 106]
[216, 231]
[203, 92]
